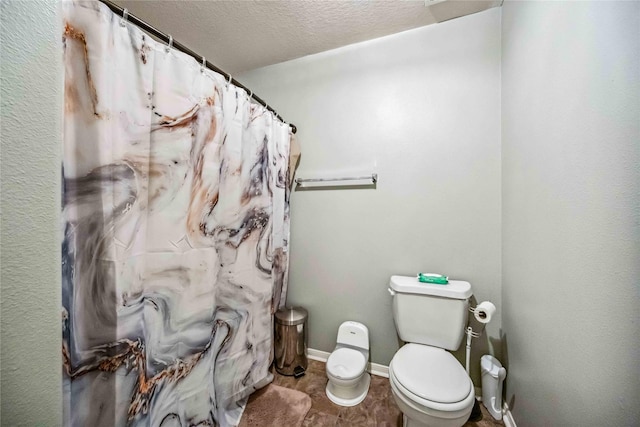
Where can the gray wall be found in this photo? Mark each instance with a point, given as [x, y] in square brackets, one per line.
[422, 108]
[571, 251]
[31, 141]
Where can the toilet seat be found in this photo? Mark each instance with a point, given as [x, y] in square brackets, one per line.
[431, 373]
[431, 378]
[429, 406]
[346, 363]
[418, 412]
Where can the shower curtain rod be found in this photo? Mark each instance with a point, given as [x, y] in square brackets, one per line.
[182, 48]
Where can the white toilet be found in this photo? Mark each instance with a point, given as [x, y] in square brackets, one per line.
[429, 385]
[348, 382]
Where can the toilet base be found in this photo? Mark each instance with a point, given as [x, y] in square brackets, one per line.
[351, 396]
[431, 422]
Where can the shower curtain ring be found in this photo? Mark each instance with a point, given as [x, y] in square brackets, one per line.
[250, 95]
[170, 45]
[229, 81]
[204, 64]
[125, 16]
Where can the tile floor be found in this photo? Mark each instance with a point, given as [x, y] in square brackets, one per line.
[378, 408]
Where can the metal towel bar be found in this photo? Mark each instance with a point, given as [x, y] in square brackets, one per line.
[373, 177]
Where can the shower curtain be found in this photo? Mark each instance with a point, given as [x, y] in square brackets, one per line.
[174, 235]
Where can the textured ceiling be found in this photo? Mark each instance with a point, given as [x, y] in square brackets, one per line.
[243, 35]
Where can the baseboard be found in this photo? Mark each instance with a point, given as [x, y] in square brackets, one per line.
[507, 416]
[379, 370]
[319, 355]
[372, 368]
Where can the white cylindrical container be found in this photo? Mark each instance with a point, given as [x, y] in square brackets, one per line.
[493, 374]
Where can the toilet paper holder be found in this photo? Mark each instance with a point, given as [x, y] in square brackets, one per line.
[483, 312]
[473, 310]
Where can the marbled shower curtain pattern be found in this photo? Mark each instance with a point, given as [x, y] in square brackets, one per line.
[175, 232]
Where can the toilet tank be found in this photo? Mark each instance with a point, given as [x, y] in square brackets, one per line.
[430, 314]
[353, 334]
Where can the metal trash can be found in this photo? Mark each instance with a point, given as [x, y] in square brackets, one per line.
[290, 341]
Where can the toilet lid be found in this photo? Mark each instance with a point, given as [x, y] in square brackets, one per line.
[431, 373]
[346, 363]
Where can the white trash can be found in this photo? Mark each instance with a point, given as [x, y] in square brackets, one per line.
[493, 375]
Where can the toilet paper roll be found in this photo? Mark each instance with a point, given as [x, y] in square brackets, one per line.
[484, 311]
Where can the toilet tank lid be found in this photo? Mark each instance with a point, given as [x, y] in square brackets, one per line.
[456, 289]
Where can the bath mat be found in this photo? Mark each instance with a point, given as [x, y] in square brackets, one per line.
[276, 406]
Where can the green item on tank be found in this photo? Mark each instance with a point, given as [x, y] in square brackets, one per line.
[436, 279]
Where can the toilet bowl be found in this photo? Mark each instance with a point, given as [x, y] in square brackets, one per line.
[348, 383]
[430, 387]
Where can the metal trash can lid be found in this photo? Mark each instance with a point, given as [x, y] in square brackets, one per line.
[291, 316]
